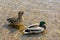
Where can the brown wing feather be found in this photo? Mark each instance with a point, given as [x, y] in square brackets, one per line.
[11, 20]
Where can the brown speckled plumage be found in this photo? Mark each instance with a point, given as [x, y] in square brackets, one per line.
[17, 22]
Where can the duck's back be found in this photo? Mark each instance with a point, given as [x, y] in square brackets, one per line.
[12, 20]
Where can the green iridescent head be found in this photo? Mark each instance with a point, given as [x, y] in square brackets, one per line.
[42, 23]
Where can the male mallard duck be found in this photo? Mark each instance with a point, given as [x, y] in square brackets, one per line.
[17, 22]
[35, 28]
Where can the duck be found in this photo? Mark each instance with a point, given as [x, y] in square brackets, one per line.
[17, 22]
[36, 28]
[41, 24]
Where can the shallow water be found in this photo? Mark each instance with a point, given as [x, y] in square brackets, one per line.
[34, 12]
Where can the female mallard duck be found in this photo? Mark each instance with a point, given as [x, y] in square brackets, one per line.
[17, 22]
[35, 28]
